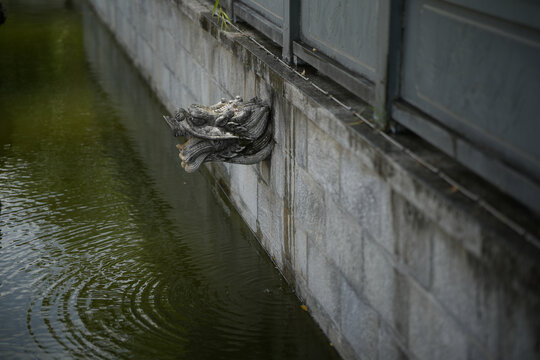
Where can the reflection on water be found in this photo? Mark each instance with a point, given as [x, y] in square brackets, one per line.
[107, 248]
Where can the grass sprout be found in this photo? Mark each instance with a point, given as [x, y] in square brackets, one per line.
[223, 18]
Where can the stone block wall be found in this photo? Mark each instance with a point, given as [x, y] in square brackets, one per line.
[392, 262]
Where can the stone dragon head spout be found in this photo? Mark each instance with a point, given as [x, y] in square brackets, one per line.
[231, 131]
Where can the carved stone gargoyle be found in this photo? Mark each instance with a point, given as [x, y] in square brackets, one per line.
[231, 131]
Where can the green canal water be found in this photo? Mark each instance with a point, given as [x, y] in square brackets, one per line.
[107, 248]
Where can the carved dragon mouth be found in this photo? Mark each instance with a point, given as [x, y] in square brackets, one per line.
[194, 152]
[229, 131]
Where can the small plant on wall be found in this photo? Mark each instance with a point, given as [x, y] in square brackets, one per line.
[223, 18]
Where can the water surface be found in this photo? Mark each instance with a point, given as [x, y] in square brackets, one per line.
[107, 248]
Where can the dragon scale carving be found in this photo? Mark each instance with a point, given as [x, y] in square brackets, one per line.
[231, 131]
